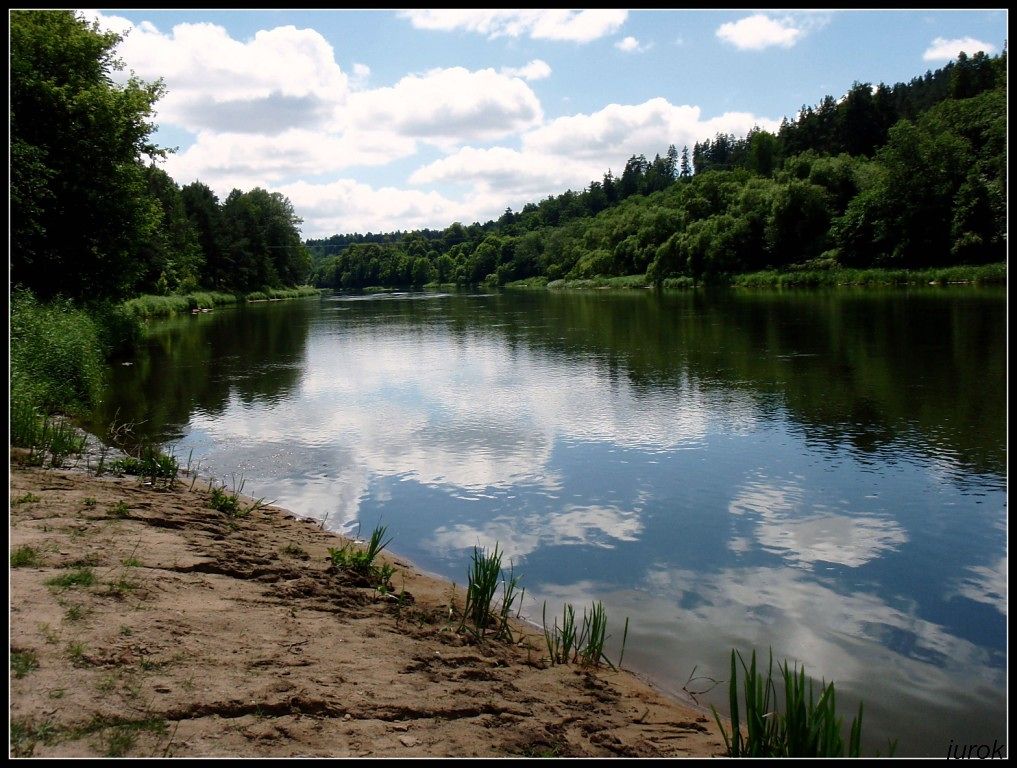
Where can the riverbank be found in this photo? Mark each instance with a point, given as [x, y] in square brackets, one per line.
[144, 623]
[808, 276]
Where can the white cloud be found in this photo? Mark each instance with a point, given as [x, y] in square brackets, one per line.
[347, 205]
[588, 526]
[281, 78]
[557, 24]
[942, 49]
[986, 584]
[535, 70]
[618, 131]
[361, 73]
[632, 45]
[228, 160]
[453, 104]
[805, 536]
[508, 171]
[754, 33]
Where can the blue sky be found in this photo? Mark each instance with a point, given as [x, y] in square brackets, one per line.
[386, 120]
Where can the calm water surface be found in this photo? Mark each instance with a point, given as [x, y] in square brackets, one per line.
[820, 473]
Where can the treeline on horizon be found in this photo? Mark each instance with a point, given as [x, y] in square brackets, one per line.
[911, 176]
[93, 218]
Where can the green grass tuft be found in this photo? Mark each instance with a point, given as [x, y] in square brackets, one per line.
[25, 557]
[806, 727]
[359, 562]
[23, 662]
[483, 612]
[81, 577]
[580, 642]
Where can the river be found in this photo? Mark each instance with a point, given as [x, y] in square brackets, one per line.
[820, 473]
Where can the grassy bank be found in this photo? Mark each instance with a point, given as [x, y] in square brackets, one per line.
[989, 274]
[623, 281]
[58, 352]
[148, 306]
[58, 349]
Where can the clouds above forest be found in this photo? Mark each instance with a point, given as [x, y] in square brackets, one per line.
[942, 49]
[278, 110]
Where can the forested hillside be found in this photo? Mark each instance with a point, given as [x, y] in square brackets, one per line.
[905, 176]
[92, 215]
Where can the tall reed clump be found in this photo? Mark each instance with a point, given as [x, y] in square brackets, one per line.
[57, 354]
[43, 435]
[806, 728]
[583, 641]
[484, 613]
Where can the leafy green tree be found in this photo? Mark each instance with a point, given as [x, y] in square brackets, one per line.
[421, 271]
[80, 206]
[764, 148]
[261, 241]
[798, 224]
[172, 253]
[205, 214]
[924, 170]
[860, 126]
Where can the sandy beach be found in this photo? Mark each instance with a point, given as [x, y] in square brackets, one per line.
[144, 623]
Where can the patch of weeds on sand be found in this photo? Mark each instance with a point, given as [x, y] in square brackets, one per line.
[106, 684]
[28, 498]
[76, 652]
[120, 510]
[119, 741]
[64, 441]
[132, 562]
[227, 500]
[82, 577]
[126, 631]
[75, 612]
[121, 586]
[25, 557]
[543, 749]
[118, 736]
[357, 563]
[483, 611]
[89, 502]
[52, 637]
[25, 735]
[57, 693]
[23, 662]
[151, 464]
[292, 550]
[580, 642]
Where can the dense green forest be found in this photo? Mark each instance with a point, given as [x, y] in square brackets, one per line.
[92, 215]
[94, 220]
[904, 177]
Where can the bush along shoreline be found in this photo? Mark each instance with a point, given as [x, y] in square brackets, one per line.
[59, 348]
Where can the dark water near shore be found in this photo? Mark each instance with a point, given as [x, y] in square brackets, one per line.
[823, 473]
